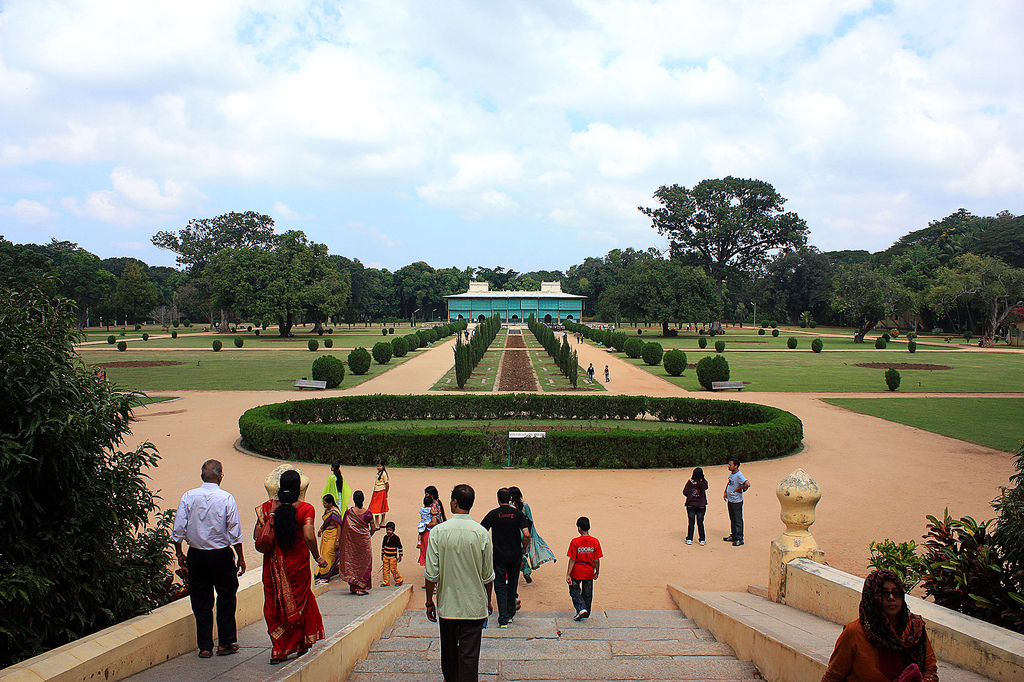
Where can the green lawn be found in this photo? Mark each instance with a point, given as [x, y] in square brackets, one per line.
[549, 376]
[228, 370]
[204, 340]
[802, 370]
[994, 422]
[484, 375]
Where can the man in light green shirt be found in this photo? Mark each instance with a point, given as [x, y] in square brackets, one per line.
[460, 571]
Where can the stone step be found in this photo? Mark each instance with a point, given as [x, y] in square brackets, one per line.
[550, 645]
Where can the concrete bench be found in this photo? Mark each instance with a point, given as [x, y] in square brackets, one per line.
[726, 385]
[309, 383]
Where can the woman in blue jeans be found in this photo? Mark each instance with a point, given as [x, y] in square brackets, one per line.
[696, 496]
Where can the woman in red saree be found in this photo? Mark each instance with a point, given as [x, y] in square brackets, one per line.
[289, 606]
[356, 562]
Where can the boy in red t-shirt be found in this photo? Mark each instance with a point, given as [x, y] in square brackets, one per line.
[584, 566]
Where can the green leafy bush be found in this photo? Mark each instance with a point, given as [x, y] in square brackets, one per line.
[880, 343]
[145, 336]
[257, 332]
[413, 340]
[313, 344]
[719, 346]
[399, 347]
[111, 339]
[812, 324]
[391, 330]
[702, 342]
[652, 353]
[764, 324]
[359, 361]
[634, 347]
[887, 337]
[174, 333]
[898, 557]
[773, 324]
[775, 333]
[912, 346]
[382, 352]
[217, 345]
[760, 332]
[248, 328]
[892, 378]
[791, 342]
[328, 343]
[816, 345]
[122, 346]
[239, 342]
[674, 362]
[330, 369]
[175, 323]
[712, 368]
[122, 333]
[138, 326]
[384, 332]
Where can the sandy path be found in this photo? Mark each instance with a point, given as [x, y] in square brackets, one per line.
[879, 480]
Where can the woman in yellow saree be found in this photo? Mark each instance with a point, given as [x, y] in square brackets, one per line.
[330, 535]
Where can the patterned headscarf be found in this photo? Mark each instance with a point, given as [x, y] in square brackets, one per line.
[908, 639]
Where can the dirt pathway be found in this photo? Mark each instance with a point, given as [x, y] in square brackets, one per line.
[879, 480]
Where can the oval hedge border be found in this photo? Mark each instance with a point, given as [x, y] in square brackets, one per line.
[302, 430]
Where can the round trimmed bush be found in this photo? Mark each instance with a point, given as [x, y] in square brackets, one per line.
[239, 342]
[122, 346]
[775, 333]
[892, 378]
[912, 346]
[111, 339]
[652, 353]
[712, 332]
[359, 361]
[248, 328]
[702, 342]
[817, 345]
[432, 335]
[320, 332]
[880, 343]
[674, 362]
[138, 326]
[760, 332]
[887, 337]
[175, 323]
[257, 332]
[773, 324]
[413, 340]
[719, 346]
[712, 368]
[391, 330]
[122, 333]
[174, 333]
[312, 344]
[383, 332]
[217, 345]
[145, 336]
[382, 352]
[328, 343]
[330, 369]
[791, 342]
[187, 322]
[634, 348]
[330, 330]
[764, 324]
[812, 324]
[399, 347]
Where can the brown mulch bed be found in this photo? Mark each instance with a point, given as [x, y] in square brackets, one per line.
[138, 363]
[516, 370]
[899, 365]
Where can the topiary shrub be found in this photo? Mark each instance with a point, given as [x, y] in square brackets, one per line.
[257, 332]
[880, 343]
[248, 328]
[817, 345]
[634, 348]
[122, 346]
[145, 336]
[239, 342]
[391, 330]
[328, 343]
[892, 378]
[803, 324]
[812, 324]
[674, 362]
[138, 326]
[399, 347]
[887, 337]
[773, 324]
[719, 346]
[175, 323]
[382, 352]
[174, 333]
[791, 342]
[652, 353]
[217, 345]
[775, 333]
[413, 340]
[187, 322]
[764, 324]
[712, 368]
[702, 342]
[912, 346]
[701, 331]
[312, 344]
[111, 339]
[711, 332]
[383, 332]
[330, 369]
[760, 332]
[359, 361]
[330, 330]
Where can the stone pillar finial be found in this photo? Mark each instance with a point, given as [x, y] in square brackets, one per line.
[798, 495]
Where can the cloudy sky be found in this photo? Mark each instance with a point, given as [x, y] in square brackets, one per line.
[518, 134]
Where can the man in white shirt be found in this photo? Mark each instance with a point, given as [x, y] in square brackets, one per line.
[207, 519]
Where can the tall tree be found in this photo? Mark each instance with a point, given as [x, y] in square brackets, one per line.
[663, 291]
[202, 238]
[866, 296]
[988, 284]
[136, 295]
[728, 226]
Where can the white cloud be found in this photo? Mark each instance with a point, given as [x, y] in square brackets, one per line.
[281, 211]
[29, 212]
[133, 199]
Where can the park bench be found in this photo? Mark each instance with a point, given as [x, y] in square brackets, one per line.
[726, 385]
[309, 383]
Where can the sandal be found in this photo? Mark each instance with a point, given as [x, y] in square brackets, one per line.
[205, 654]
[275, 661]
[227, 650]
[362, 593]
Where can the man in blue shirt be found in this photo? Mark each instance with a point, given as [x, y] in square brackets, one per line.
[734, 489]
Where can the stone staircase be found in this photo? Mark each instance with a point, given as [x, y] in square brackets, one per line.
[549, 645]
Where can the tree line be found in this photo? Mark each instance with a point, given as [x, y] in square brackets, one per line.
[734, 253]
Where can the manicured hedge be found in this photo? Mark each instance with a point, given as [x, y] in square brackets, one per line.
[307, 429]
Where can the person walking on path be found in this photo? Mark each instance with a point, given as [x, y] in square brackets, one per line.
[379, 499]
[539, 552]
[590, 372]
[436, 517]
[607, 375]
[391, 555]
[510, 536]
[207, 519]
[337, 487]
[584, 567]
[734, 489]
[330, 534]
[460, 575]
[695, 492]
[356, 561]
